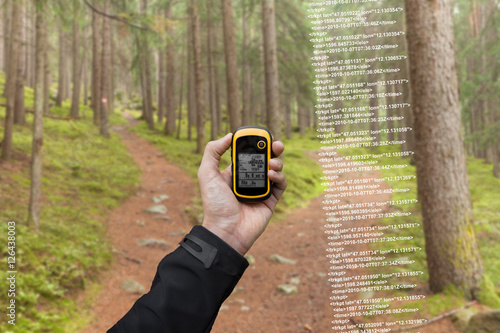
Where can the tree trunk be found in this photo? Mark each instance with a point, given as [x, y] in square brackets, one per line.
[161, 84]
[390, 89]
[36, 152]
[46, 76]
[19, 112]
[443, 187]
[274, 117]
[374, 124]
[288, 116]
[77, 70]
[191, 87]
[63, 63]
[246, 72]
[170, 95]
[6, 36]
[211, 76]
[96, 68]
[181, 96]
[10, 92]
[105, 77]
[233, 98]
[198, 82]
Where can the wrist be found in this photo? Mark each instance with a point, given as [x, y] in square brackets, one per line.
[227, 237]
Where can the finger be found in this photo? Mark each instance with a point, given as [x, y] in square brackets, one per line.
[280, 182]
[276, 164]
[209, 166]
[278, 148]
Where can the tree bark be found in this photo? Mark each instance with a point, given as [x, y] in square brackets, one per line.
[96, 68]
[198, 82]
[443, 187]
[233, 98]
[36, 152]
[161, 84]
[374, 124]
[77, 68]
[105, 77]
[246, 72]
[274, 117]
[19, 112]
[211, 76]
[170, 87]
[63, 64]
[10, 92]
[390, 89]
[191, 85]
[6, 36]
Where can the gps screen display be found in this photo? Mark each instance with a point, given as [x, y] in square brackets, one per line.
[252, 173]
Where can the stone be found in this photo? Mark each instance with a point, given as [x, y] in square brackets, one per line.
[160, 198]
[461, 318]
[287, 289]
[224, 307]
[238, 290]
[152, 242]
[177, 233]
[484, 322]
[295, 281]
[157, 209]
[281, 260]
[366, 294]
[132, 286]
[250, 258]
[165, 217]
[245, 308]
[140, 223]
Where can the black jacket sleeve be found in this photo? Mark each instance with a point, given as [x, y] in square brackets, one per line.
[185, 295]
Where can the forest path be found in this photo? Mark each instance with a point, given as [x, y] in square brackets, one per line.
[255, 306]
[129, 224]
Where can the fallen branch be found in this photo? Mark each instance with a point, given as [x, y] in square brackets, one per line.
[138, 261]
[432, 320]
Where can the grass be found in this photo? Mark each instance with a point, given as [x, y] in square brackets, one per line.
[302, 172]
[486, 209]
[84, 176]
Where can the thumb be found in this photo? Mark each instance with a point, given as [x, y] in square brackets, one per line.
[214, 150]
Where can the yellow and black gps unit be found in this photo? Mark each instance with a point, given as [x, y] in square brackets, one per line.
[251, 150]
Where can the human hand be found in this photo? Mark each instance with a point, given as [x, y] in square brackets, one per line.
[237, 223]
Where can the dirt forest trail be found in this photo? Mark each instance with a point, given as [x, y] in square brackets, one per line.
[255, 305]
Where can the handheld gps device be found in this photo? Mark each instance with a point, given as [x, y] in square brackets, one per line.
[250, 154]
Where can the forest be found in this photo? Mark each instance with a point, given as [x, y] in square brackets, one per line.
[95, 93]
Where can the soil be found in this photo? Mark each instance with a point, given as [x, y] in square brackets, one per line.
[255, 305]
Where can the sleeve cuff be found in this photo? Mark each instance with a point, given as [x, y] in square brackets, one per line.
[227, 258]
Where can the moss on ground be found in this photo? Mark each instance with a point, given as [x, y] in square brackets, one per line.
[84, 176]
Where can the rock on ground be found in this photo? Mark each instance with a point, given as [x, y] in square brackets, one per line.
[484, 322]
[132, 286]
[152, 242]
[287, 289]
[461, 318]
[281, 260]
[157, 209]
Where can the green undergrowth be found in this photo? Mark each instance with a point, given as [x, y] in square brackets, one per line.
[486, 209]
[302, 172]
[84, 176]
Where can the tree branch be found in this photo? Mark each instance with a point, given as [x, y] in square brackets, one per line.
[113, 17]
